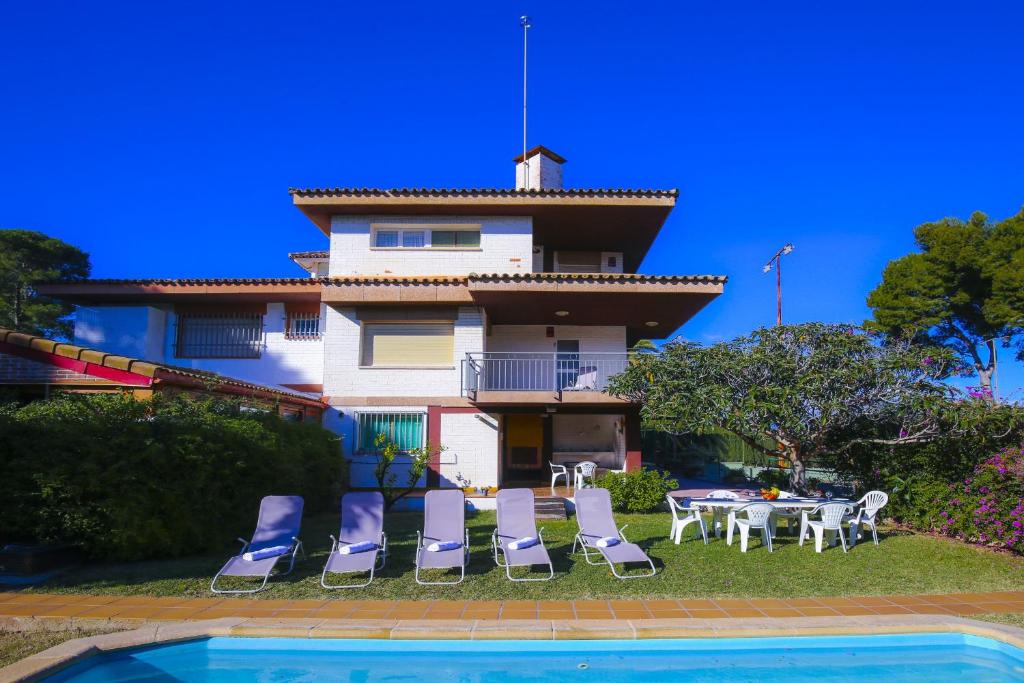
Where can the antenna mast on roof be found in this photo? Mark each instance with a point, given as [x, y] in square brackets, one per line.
[524, 21]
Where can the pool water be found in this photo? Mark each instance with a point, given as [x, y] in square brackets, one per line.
[888, 659]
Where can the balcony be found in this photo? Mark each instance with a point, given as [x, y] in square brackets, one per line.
[500, 377]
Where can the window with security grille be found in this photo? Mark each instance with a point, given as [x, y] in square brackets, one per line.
[406, 430]
[303, 326]
[219, 335]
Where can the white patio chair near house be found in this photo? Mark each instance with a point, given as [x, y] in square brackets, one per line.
[759, 516]
[582, 472]
[832, 517]
[556, 472]
[868, 508]
[682, 517]
[718, 513]
[791, 515]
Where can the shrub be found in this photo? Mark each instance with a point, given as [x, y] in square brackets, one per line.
[641, 490]
[988, 506]
[129, 480]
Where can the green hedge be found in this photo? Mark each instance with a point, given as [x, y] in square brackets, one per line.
[128, 480]
[637, 491]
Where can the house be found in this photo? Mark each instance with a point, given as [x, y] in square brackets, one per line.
[484, 321]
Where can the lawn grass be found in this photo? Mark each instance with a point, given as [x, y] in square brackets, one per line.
[18, 644]
[903, 563]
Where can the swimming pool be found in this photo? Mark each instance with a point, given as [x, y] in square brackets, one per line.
[890, 658]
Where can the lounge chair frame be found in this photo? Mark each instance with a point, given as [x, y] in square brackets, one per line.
[581, 539]
[462, 569]
[296, 548]
[382, 558]
[502, 561]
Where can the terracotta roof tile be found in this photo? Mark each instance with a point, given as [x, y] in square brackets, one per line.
[588, 277]
[477, 192]
[201, 281]
[309, 255]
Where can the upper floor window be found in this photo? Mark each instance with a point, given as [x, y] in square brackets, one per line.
[426, 237]
[302, 326]
[408, 345]
[219, 335]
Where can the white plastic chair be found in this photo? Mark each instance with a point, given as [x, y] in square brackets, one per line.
[792, 516]
[683, 517]
[583, 471]
[759, 516]
[832, 517]
[867, 514]
[717, 513]
[556, 472]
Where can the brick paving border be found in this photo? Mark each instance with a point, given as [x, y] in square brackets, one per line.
[141, 608]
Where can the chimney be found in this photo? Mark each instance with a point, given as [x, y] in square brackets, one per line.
[539, 169]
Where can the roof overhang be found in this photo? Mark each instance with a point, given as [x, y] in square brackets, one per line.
[649, 307]
[184, 291]
[634, 301]
[602, 220]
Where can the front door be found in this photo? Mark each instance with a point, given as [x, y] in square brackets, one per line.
[524, 448]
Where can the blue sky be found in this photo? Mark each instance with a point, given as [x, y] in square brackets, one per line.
[162, 138]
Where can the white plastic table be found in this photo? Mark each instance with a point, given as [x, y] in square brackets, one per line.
[805, 505]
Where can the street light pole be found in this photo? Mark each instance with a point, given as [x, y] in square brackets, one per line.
[776, 262]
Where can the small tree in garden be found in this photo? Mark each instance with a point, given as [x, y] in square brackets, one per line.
[796, 392]
[388, 453]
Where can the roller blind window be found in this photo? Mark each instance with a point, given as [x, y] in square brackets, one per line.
[408, 344]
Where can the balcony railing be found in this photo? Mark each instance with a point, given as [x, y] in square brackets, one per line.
[554, 372]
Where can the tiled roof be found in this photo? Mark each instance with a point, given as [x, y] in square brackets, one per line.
[393, 279]
[196, 281]
[309, 255]
[399, 279]
[477, 192]
[590, 277]
[136, 366]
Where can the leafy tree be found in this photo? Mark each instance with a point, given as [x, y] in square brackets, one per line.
[388, 453]
[963, 290]
[26, 259]
[797, 392]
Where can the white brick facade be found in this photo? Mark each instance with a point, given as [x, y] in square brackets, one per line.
[506, 246]
[470, 457]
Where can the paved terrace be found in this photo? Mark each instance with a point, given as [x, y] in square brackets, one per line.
[46, 606]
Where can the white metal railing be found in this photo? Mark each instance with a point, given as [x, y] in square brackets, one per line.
[555, 372]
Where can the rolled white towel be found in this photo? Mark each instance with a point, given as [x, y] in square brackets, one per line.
[440, 546]
[525, 542]
[264, 553]
[607, 542]
[353, 548]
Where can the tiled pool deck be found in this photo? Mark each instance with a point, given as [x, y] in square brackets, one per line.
[43, 605]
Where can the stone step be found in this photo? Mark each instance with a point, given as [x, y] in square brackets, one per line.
[549, 508]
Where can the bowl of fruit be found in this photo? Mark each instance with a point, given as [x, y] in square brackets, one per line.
[771, 493]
